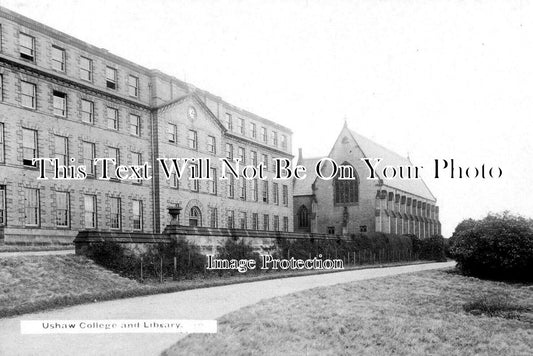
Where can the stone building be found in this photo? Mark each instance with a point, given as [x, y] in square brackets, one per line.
[362, 205]
[63, 98]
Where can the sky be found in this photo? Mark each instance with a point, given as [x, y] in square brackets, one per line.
[430, 79]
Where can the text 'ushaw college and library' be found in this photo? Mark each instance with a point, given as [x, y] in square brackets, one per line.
[63, 98]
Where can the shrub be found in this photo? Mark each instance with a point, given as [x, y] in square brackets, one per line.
[500, 246]
[115, 257]
[189, 259]
[238, 249]
[432, 249]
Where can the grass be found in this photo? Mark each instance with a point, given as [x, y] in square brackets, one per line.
[34, 283]
[413, 314]
[20, 248]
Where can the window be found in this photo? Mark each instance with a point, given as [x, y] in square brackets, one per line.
[255, 221]
[303, 217]
[174, 181]
[243, 221]
[172, 133]
[253, 158]
[89, 153]
[331, 230]
[2, 144]
[255, 193]
[213, 182]
[137, 215]
[275, 193]
[231, 219]
[116, 219]
[195, 217]
[242, 155]
[265, 191]
[264, 134]
[229, 122]
[1, 87]
[266, 222]
[193, 140]
[60, 103]
[112, 118]
[213, 221]
[346, 191]
[133, 86]
[31, 207]
[285, 224]
[135, 125]
[89, 203]
[362, 228]
[211, 144]
[87, 111]
[61, 149]
[274, 138]
[28, 98]
[285, 195]
[265, 162]
[253, 130]
[231, 186]
[3, 210]
[29, 147]
[240, 126]
[276, 223]
[86, 69]
[111, 77]
[243, 188]
[136, 159]
[27, 46]
[62, 209]
[229, 151]
[284, 142]
[195, 182]
[113, 153]
[58, 58]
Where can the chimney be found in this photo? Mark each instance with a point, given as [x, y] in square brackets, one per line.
[300, 155]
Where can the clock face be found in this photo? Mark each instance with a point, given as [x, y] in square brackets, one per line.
[192, 112]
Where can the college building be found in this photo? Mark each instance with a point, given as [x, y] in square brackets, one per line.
[63, 98]
[360, 205]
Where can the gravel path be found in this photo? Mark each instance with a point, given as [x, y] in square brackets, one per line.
[206, 303]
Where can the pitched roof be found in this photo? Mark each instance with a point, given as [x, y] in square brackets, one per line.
[371, 149]
[304, 186]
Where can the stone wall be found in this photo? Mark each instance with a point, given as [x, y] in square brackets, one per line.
[208, 239]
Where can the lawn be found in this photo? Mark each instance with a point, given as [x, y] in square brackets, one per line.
[426, 313]
[31, 283]
[34, 283]
[19, 248]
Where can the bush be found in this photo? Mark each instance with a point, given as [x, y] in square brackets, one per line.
[500, 246]
[115, 257]
[189, 259]
[432, 249]
[238, 249]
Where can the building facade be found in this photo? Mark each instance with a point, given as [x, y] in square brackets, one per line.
[63, 98]
[361, 205]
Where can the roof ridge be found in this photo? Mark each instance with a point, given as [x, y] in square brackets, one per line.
[378, 144]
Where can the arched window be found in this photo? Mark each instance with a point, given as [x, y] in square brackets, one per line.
[195, 217]
[303, 217]
[346, 190]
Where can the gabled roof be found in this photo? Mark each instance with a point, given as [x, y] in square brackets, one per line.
[371, 149]
[194, 96]
[304, 186]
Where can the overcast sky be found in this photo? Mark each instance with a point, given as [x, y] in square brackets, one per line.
[435, 79]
